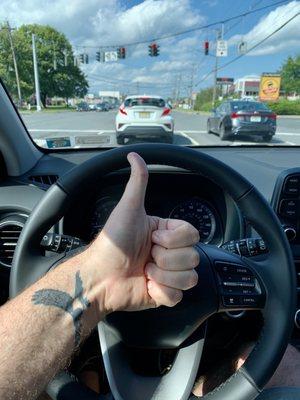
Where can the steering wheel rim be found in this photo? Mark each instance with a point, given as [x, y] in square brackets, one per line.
[279, 283]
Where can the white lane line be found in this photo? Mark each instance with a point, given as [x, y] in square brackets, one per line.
[187, 131]
[194, 142]
[287, 134]
[66, 130]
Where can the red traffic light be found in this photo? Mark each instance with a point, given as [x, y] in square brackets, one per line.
[206, 47]
[153, 50]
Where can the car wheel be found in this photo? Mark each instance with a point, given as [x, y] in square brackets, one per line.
[267, 138]
[224, 133]
[208, 127]
[120, 140]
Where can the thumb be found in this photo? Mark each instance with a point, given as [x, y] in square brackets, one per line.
[134, 194]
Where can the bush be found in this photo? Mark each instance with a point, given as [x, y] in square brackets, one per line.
[285, 107]
[206, 106]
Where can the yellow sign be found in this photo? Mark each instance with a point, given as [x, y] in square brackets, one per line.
[269, 87]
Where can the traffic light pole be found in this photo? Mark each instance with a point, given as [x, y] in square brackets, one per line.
[219, 34]
[15, 62]
[36, 76]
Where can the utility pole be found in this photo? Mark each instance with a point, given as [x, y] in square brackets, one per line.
[192, 85]
[36, 76]
[219, 35]
[9, 29]
[179, 87]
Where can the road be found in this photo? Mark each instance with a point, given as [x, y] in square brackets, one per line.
[93, 128]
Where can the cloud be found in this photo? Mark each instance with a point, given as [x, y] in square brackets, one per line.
[288, 38]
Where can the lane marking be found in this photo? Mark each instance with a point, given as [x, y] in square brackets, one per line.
[288, 134]
[194, 142]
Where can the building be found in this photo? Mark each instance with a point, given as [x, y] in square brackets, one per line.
[248, 86]
[110, 93]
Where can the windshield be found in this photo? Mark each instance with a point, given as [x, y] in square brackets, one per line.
[185, 72]
[248, 106]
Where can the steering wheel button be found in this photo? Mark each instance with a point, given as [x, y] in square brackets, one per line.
[249, 300]
[231, 300]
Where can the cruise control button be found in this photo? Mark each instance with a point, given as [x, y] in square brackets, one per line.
[231, 300]
[249, 300]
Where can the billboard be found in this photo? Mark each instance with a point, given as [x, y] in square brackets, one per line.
[269, 87]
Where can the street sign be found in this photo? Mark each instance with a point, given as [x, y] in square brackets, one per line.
[242, 47]
[269, 87]
[225, 81]
[110, 56]
[222, 48]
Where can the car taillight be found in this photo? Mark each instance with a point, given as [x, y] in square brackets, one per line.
[272, 116]
[234, 115]
[166, 111]
[122, 111]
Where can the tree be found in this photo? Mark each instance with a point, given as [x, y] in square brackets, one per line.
[290, 75]
[56, 78]
[204, 97]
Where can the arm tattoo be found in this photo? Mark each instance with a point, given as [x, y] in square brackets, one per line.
[60, 299]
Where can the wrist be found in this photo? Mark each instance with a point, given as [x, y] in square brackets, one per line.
[93, 284]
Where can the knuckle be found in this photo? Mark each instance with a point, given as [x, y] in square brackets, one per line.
[195, 258]
[193, 278]
[195, 236]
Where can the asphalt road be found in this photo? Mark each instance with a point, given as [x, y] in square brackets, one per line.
[98, 128]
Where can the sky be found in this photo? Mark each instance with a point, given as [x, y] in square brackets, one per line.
[91, 25]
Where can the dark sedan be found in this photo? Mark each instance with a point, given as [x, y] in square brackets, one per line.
[242, 118]
[102, 107]
[83, 106]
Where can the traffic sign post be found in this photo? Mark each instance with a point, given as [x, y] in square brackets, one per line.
[110, 56]
[222, 48]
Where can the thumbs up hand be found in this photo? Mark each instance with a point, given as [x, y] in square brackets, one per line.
[141, 261]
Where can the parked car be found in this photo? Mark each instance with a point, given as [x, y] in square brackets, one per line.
[83, 106]
[102, 107]
[144, 117]
[92, 107]
[237, 118]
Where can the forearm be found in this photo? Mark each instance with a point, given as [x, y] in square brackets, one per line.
[40, 328]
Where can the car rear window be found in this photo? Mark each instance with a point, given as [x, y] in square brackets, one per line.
[248, 106]
[145, 101]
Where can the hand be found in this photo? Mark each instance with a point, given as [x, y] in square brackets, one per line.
[143, 261]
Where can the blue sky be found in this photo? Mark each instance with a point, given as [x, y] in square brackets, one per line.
[96, 23]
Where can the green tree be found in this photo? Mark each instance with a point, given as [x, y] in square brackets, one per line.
[290, 75]
[64, 80]
[204, 98]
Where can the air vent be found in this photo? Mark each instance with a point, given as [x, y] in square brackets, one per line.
[45, 180]
[9, 235]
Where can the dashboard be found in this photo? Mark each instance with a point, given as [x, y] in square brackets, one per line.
[186, 196]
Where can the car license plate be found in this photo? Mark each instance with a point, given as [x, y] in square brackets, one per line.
[144, 115]
[255, 118]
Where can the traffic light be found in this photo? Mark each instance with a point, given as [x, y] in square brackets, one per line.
[81, 58]
[98, 56]
[153, 50]
[206, 47]
[121, 52]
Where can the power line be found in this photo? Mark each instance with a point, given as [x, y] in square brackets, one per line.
[196, 28]
[248, 51]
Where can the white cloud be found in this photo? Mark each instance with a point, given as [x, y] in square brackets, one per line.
[288, 38]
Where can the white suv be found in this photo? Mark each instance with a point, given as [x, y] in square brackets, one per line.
[144, 117]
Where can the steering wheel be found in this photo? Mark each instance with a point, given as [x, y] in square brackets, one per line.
[271, 282]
